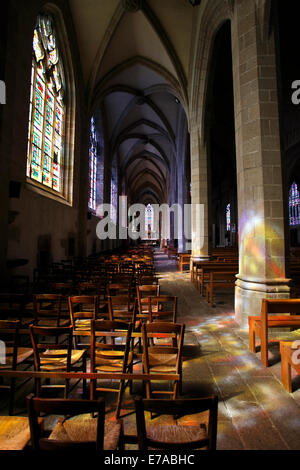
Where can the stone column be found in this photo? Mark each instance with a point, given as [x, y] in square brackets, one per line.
[259, 173]
[200, 235]
[181, 137]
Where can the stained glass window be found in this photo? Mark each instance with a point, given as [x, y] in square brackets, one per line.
[47, 109]
[148, 220]
[228, 217]
[294, 202]
[124, 210]
[114, 195]
[93, 166]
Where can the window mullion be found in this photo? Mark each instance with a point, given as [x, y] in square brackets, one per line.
[31, 117]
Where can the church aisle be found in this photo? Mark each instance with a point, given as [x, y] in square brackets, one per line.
[255, 411]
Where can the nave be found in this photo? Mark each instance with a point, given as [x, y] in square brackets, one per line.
[255, 412]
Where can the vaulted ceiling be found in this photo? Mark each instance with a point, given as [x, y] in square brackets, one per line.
[135, 71]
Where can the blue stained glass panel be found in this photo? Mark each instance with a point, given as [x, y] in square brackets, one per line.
[294, 205]
[37, 137]
[36, 155]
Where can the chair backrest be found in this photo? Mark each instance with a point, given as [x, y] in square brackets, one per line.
[291, 306]
[51, 349]
[177, 407]
[63, 288]
[121, 308]
[91, 288]
[162, 308]
[278, 306]
[114, 289]
[161, 339]
[127, 267]
[69, 407]
[83, 307]
[147, 279]
[121, 278]
[47, 307]
[143, 294]
[107, 338]
[147, 291]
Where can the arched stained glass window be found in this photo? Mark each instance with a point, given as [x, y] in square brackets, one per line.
[149, 220]
[294, 203]
[228, 220]
[47, 109]
[114, 194]
[93, 166]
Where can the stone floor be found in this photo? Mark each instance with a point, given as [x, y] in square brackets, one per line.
[255, 411]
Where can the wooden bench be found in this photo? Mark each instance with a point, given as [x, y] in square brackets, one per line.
[184, 259]
[204, 271]
[260, 324]
[172, 253]
[290, 355]
[217, 280]
[198, 265]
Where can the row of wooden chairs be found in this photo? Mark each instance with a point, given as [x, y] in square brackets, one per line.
[98, 434]
[108, 352]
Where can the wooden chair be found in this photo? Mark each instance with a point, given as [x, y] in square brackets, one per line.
[87, 435]
[162, 354]
[144, 279]
[14, 355]
[92, 288]
[143, 294]
[121, 307]
[271, 316]
[83, 309]
[122, 278]
[176, 436]
[66, 289]
[114, 289]
[290, 358]
[162, 308]
[109, 353]
[54, 356]
[47, 310]
[15, 433]
[95, 288]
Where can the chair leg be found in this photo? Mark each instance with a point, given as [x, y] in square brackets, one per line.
[92, 389]
[264, 352]
[121, 445]
[37, 386]
[286, 378]
[251, 336]
[148, 389]
[176, 389]
[84, 380]
[120, 394]
[180, 386]
[130, 370]
[67, 388]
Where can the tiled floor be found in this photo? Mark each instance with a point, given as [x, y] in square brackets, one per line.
[255, 411]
